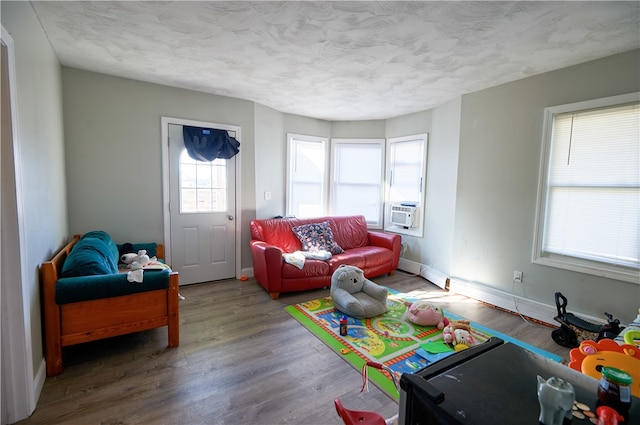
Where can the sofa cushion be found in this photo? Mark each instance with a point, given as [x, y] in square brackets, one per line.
[348, 258]
[94, 254]
[113, 251]
[312, 268]
[350, 232]
[86, 288]
[317, 236]
[373, 256]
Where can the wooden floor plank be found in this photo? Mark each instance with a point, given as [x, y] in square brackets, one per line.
[242, 359]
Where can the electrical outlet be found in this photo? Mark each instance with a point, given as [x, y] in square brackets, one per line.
[517, 276]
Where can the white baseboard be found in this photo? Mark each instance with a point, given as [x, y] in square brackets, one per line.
[409, 266]
[248, 271]
[432, 275]
[511, 302]
[38, 382]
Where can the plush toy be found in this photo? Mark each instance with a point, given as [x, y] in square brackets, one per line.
[137, 261]
[424, 313]
[125, 248]
[355, 295]
[458, 334]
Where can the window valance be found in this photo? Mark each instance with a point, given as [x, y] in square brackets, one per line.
[207, 144]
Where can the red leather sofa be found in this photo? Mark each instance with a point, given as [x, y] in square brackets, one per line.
[376, 253]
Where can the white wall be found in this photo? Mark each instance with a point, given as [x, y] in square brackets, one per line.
[41, 163]
[500, 147]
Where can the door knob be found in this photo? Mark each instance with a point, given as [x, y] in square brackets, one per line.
[230, 217]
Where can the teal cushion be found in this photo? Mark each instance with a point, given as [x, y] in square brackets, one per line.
[91, 255]
[76, 289]
[104, 237]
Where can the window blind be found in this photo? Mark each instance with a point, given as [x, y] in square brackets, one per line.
[593, 197]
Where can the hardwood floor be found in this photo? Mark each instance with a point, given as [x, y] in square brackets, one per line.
[242, 360]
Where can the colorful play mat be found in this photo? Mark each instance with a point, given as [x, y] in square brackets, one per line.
[390, 339]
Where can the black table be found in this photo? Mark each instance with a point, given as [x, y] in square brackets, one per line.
[494, 383]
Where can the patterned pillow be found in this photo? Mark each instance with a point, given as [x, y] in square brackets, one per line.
[316, 237]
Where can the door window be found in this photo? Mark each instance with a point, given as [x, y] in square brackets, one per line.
[203, 185]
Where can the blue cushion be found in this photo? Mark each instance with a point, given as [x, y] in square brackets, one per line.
[94, 254]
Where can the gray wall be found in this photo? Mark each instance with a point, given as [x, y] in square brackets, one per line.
[41, 163]
[483, 160]
[114, 151]
[372, 129]
[271, 162]
[442, 124]
[498, 168]
[271, 155]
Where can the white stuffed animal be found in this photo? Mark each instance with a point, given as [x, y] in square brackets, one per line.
[136, 261]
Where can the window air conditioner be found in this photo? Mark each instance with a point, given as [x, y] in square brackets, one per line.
[404, 216]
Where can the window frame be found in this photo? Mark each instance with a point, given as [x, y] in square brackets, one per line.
[335, 143]
[567, 262]
[417, 231]
[323, 142]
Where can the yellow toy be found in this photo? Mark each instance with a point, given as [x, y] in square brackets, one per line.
[591, 356]
[631, 333]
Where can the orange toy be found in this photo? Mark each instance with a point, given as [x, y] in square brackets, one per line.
[591, 356]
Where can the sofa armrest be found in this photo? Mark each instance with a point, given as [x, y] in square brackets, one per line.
[390, 241]
[385, 240]
[267, 265]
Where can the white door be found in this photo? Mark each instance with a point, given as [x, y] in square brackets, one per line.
[202, 206]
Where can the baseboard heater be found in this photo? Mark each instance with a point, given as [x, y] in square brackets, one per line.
[432, 275]
[513, 303]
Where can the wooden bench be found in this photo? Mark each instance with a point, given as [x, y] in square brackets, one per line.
[78, 322]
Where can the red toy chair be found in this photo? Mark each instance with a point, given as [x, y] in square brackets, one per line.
[357, 417]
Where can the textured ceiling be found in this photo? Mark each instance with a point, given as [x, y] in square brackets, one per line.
[336, 60]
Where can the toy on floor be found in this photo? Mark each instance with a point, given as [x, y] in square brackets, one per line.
[458, 334]
[355, 295]
[590, 357]
[573, 330]
[424, 313]
[358, 417]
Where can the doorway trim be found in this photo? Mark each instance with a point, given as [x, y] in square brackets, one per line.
[166, 185]
[20, 388]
